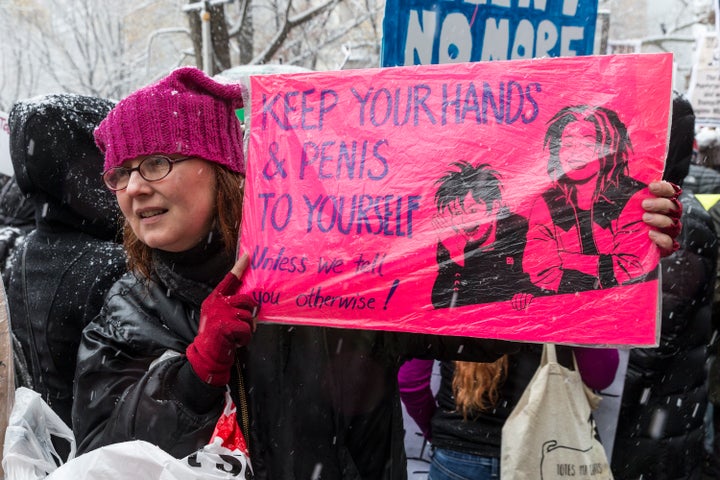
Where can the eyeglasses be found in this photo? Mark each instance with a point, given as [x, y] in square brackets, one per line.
[152, 169]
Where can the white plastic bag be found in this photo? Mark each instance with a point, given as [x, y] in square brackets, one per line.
[224, 458]
[28, 451]
[140, 460]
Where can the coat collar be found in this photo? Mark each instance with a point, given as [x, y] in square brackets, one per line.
[607, 208]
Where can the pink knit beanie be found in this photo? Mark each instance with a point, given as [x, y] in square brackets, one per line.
[185, 113]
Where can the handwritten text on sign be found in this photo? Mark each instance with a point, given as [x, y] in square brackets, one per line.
[437, 198]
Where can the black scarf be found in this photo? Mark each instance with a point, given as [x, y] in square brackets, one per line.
[191, 275]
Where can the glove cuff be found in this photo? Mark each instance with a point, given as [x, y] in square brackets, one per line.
[208, 370]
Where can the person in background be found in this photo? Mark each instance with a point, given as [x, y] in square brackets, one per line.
[660, 432]
[704, 178]
[660, 429]
[58, 277]
[17, 219]
[475, 399]
[713, 423]
[701, 179]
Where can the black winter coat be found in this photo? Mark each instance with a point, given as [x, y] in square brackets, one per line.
[324, 402]
[660, 430]
[702, 180]
[58, 277]
[17, 217]
[133, 380]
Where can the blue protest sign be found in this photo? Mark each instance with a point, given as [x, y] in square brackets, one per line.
[423, 32]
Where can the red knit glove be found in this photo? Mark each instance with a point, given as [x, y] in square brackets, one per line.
[226, 319]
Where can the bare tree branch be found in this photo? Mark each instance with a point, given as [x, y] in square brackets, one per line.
[333, 38]
[289, 23]
[235, 29]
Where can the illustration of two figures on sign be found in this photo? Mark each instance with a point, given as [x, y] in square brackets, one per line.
[575, 236]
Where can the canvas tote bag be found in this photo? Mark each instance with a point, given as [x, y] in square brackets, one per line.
[551, 434]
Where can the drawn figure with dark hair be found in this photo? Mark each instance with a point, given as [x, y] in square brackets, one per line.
[578, 228]
[482, 261]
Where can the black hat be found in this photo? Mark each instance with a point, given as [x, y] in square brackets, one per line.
[682, 137]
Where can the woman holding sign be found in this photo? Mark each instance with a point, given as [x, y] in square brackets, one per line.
[590, 216]
[155, 364]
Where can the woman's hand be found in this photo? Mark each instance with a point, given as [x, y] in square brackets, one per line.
[240, 265]
[663, 212]
[227, 320]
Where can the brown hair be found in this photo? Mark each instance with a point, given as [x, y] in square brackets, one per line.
[228, 200]
[475, 385]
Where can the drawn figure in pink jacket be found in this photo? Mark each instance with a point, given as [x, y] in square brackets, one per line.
[578, 229]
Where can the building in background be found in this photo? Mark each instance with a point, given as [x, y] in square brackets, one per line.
[659, 26]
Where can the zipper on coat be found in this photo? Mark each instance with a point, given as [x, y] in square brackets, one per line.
[244, 414]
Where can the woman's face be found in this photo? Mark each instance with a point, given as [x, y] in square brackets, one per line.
[578, 152]
[175, 213]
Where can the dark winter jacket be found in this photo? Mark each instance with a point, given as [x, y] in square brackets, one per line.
[17, 219]
[58, 277]
[133, 380]
[660, 428]
[323, 402]
[702, 180]
[16, 210]
[324, 398]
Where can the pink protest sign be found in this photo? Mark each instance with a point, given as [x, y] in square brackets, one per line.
[497, 200]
